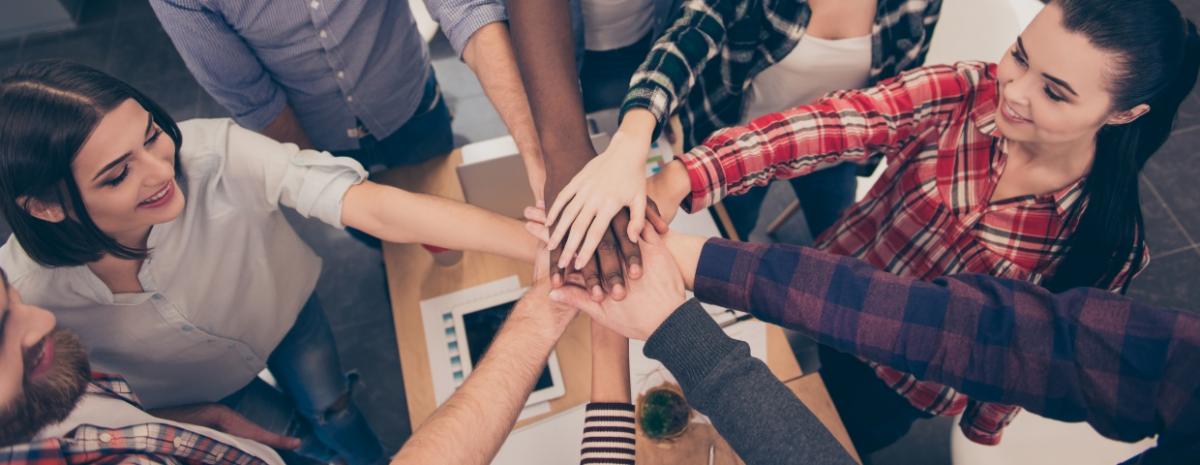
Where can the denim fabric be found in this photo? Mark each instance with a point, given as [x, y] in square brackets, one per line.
[307, 369]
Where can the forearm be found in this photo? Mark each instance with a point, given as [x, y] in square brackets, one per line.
[396, 215]
[988, 324]
[490, 55]
[286, 128]
[472, 425]
[610, 366]
[755, 412]
[609, 433]
[541, 33]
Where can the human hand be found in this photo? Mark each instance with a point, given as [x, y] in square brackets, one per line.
[669, 187]
[553, 316]
[616, 255]
[583, 209]
[226, 420]
[650, 301]
[610, 259]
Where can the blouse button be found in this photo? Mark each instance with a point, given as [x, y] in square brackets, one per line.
[178, 442]
[105, 437]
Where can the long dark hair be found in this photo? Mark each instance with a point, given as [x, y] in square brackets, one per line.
[1156, 58]
[47, 110]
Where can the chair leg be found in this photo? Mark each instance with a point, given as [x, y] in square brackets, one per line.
[787, 214]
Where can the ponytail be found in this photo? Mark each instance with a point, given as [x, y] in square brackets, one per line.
[1160, 70]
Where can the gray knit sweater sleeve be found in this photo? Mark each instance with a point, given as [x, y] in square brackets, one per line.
[763, 421]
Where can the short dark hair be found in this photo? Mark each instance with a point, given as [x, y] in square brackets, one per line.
[48, 109]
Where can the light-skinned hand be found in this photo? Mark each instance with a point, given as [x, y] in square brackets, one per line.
[650, 301]
[612, 181]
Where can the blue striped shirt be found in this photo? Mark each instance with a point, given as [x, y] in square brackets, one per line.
[337, 62]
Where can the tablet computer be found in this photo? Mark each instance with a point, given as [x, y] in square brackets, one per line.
[477, 322]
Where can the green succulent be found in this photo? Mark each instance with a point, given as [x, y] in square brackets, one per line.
[664, 414]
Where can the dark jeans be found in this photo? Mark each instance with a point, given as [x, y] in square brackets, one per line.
[875, 416]
[316, 404]
[425, 135]
[823, 195]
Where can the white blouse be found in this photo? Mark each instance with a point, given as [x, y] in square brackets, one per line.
[225, 280]
[812, 69]
[613, 24]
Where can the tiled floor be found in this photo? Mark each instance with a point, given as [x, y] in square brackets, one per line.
[123, 38]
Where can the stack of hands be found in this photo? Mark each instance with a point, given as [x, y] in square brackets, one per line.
[600, 209]
[655, 290]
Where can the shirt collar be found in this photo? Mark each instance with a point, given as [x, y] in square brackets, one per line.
[113, 386]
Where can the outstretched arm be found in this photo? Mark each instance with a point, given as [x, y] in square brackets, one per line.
[541, 32]
[472, 425]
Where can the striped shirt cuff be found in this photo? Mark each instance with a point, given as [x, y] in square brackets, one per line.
[609, 435]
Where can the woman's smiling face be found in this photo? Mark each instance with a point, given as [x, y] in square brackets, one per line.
[126, 173]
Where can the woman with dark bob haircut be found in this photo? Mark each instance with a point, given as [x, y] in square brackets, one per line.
[189, 282]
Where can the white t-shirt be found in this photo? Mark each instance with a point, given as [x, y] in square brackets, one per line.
[812, 69]
[613, 24]
[225, 280]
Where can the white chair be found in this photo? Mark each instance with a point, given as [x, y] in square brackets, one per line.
[1035, 440]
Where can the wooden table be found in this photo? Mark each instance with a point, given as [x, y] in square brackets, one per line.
[413, 276]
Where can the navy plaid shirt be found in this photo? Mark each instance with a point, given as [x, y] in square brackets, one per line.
[1129, 370]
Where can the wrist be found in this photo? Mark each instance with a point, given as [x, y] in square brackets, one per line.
[639, 123]
[671, 185]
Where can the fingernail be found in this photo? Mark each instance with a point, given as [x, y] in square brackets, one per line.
[618, 290]
[635, 270]
[597, 293]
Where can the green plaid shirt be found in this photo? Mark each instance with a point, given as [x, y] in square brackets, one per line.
[714, 48]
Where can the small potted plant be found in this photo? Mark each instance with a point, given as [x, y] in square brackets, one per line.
[662, 412]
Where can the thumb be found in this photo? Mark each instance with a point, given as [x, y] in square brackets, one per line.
[233, 423]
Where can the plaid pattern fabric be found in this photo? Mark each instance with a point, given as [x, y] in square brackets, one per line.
[1127, 369]
[930, 214]
[609, 435]
[704, 63]
[149, 443]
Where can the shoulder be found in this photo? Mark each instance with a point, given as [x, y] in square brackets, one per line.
[22, 271]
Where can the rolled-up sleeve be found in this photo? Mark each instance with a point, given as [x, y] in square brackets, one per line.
[461, 18]
[311, 182]
[221, 61]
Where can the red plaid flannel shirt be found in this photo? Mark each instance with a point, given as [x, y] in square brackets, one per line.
[930, 214]
[150, 443]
